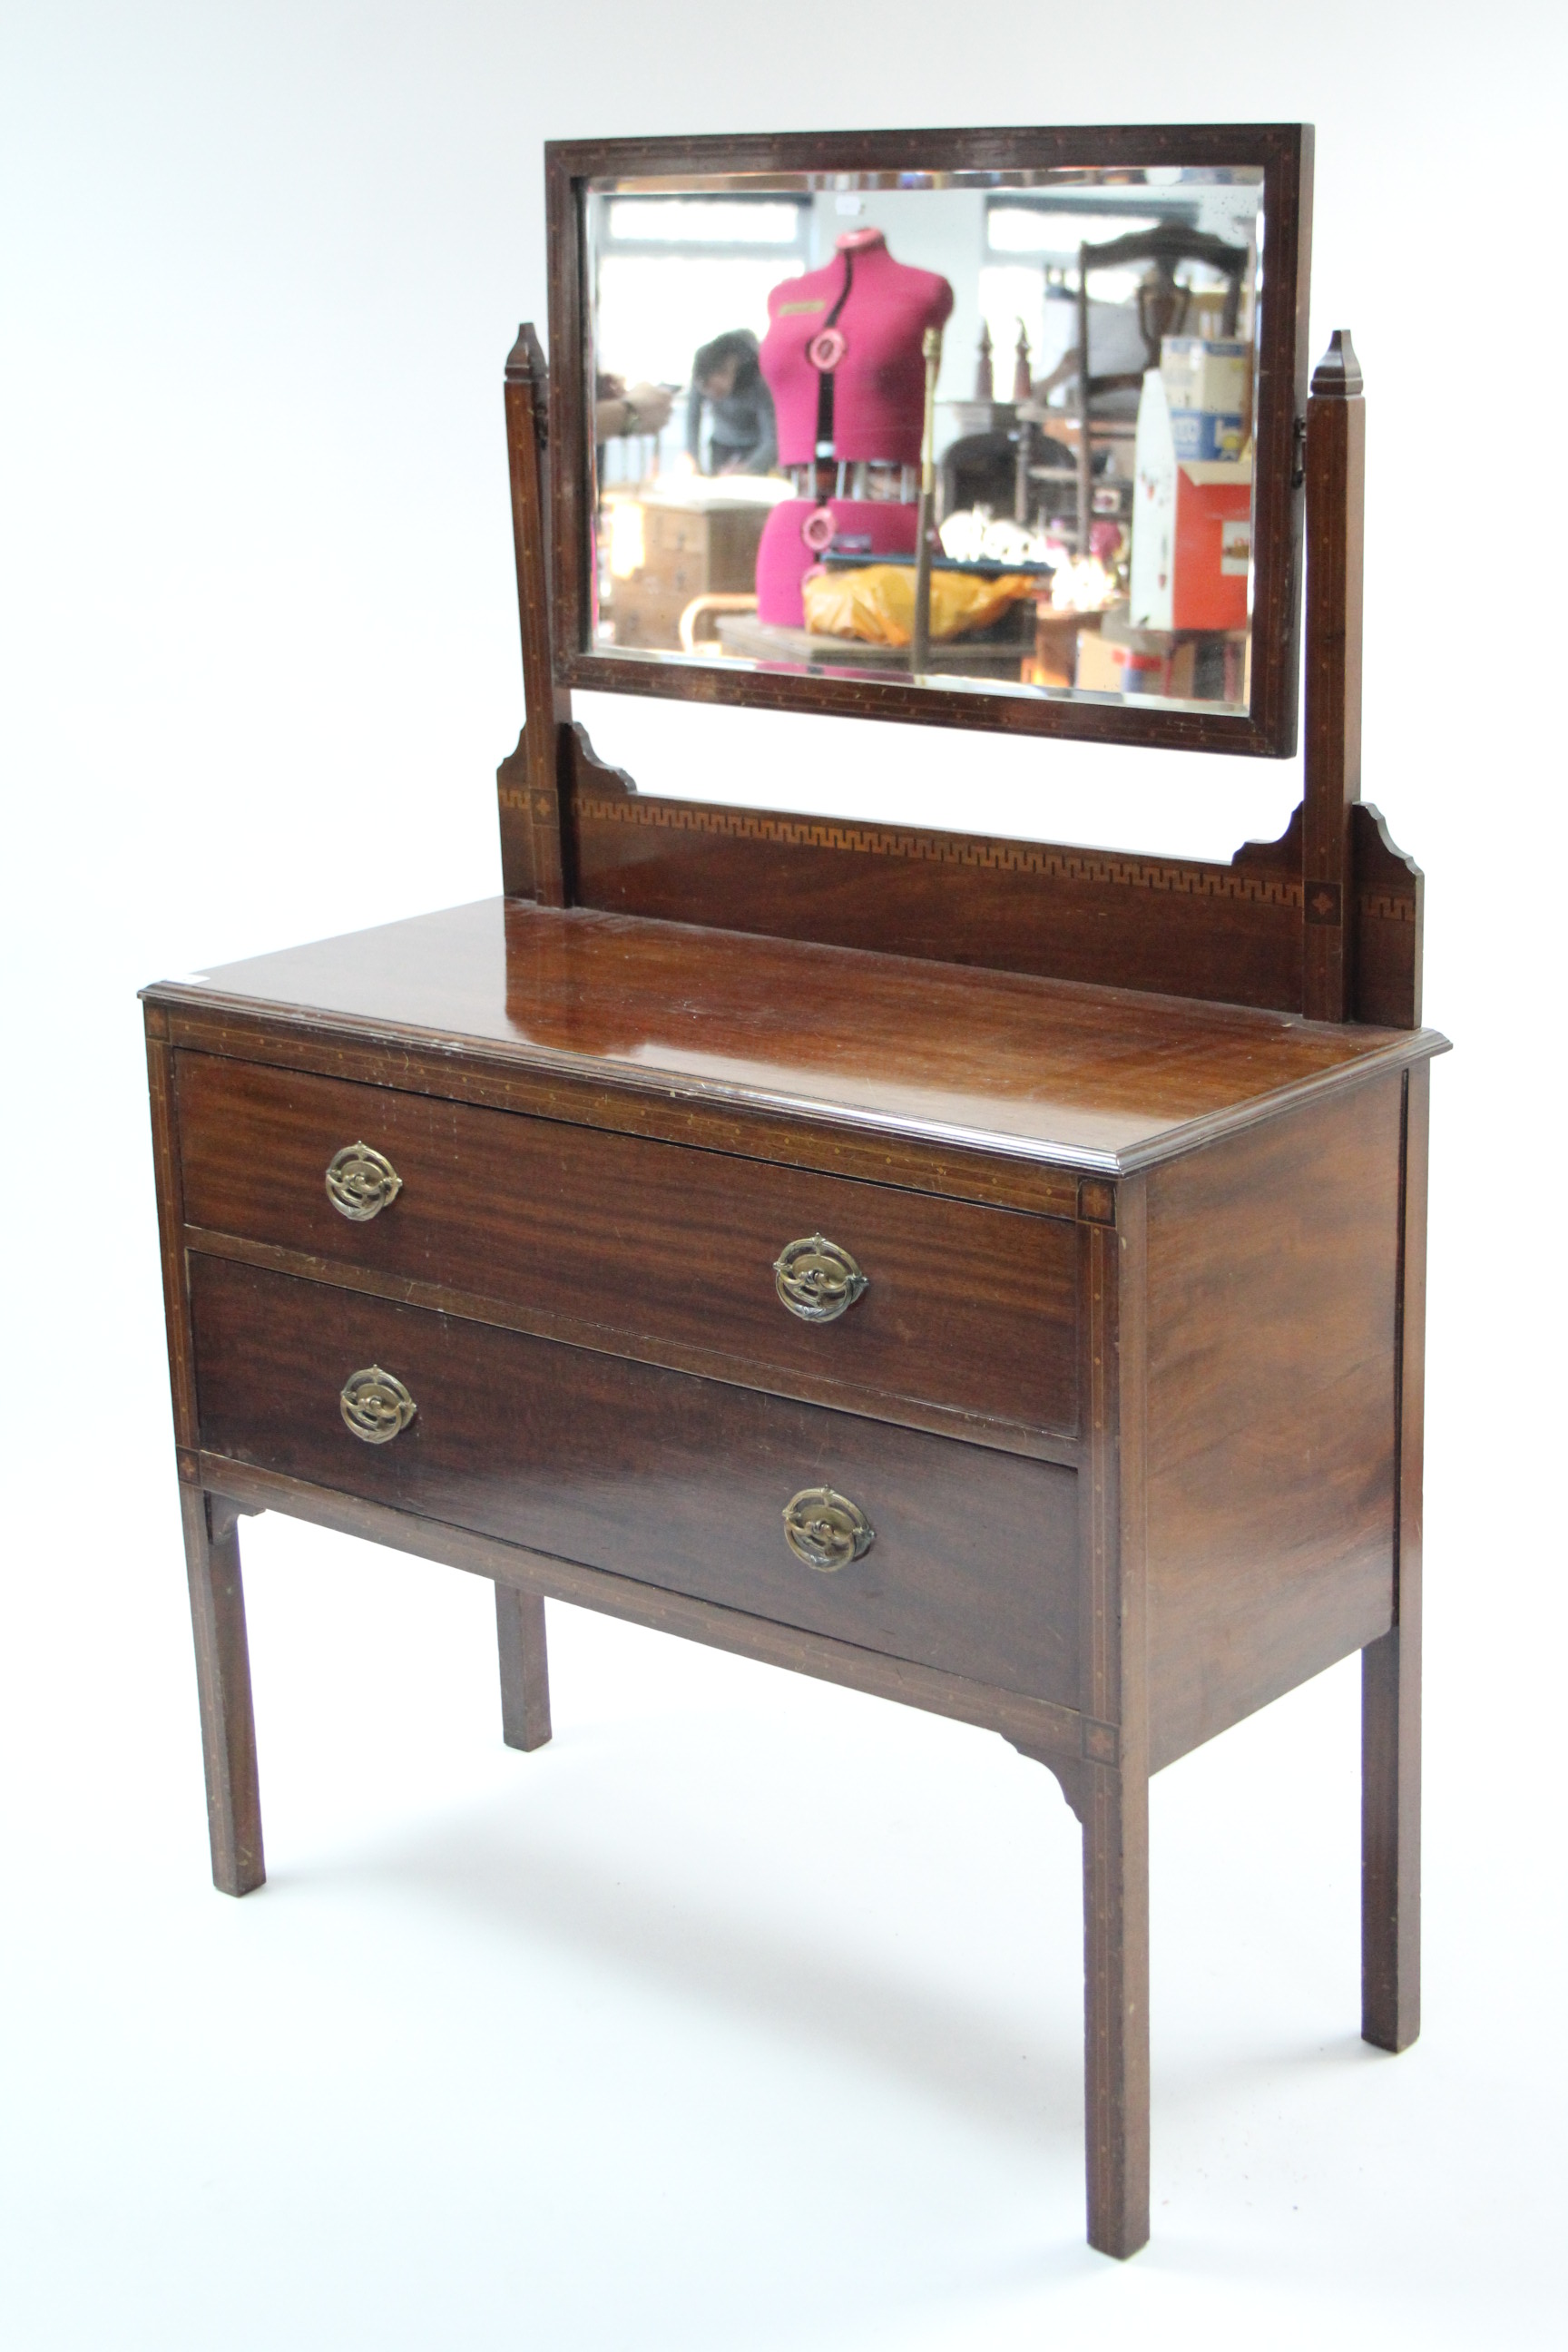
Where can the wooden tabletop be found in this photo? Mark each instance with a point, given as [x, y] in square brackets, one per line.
[1097, 1079]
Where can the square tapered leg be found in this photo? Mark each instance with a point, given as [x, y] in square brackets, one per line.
[1116, 2007]
[524, 1668]
[1391, 1838]
[1391, 1668]
[223, 1684]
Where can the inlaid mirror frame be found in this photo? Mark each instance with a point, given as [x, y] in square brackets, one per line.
[1283, 152]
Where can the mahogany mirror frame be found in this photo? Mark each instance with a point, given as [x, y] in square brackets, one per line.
[1284, 154]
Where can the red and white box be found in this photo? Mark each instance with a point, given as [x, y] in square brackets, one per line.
[1191, 529]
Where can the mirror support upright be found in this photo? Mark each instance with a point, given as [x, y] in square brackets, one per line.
[1336, 476]
[533, 843]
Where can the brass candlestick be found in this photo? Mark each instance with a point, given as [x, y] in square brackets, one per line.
[919, 638]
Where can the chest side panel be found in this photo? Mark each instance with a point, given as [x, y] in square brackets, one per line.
[1272, 1304]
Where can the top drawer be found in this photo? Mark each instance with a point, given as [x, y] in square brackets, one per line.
[667, 1251]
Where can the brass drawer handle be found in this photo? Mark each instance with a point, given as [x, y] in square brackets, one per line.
[362, 1182]
[826, 1530]
[817, 1279]
[376, 1406]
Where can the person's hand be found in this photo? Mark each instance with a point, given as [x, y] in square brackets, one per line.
[648, 405]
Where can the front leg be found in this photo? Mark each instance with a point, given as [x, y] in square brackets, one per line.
[1391, 1836]
[223, 1686]
[524, 1668]
[1391, 1668]
[1115, 1813]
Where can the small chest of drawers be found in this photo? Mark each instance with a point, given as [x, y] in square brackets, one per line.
[683, 551]
[1037, 1355]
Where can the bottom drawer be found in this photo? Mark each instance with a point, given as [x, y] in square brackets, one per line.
[678, 1482]
[649, 617]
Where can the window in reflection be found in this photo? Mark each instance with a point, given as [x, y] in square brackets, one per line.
[779, 364]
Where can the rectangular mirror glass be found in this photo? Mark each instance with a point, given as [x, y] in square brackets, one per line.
[998, 430]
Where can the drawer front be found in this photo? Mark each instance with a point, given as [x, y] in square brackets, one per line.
[682, 569]
[967, 1308]
[675, 530]
[733, 538]
[649, 614]
[675, 1481]
[716, 551]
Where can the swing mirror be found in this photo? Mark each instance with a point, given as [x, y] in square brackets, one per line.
[992, 429]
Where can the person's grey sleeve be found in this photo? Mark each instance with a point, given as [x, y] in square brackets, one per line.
[694, 423]
[767, 451]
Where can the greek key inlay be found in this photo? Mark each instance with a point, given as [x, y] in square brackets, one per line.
[950, 849]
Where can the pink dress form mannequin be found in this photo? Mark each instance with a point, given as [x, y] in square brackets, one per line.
[843, 360]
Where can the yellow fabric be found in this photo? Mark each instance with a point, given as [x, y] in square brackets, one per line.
[876, 601]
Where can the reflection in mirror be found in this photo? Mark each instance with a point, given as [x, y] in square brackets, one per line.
[972, 429]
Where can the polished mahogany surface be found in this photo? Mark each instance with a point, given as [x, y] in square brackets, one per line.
[1055, 1069]
[1273, 1297]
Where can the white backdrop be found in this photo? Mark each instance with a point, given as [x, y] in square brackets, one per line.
[746, 2014]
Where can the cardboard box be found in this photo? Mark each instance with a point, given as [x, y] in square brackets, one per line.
[1057, 637]
[1135, 664]
[1207, 437]
[1201, 665]
[1192, 529]
[1207, 378]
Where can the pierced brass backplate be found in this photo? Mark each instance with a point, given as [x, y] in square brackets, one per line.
[362, 1182]
[817, 1279]
[826, 1530]
[376, 1406]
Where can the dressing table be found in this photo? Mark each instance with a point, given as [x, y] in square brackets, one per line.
[984, 1273]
